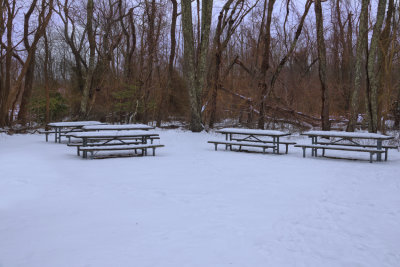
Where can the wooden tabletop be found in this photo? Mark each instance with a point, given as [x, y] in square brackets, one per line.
[117, 127]
[74, 123]
[252, 132]
[355, 135]
[112, 134]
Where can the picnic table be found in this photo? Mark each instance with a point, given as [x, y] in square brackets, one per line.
[117, 127]
[347, 141]
[253, 138]
[114, 140]
[67, 127]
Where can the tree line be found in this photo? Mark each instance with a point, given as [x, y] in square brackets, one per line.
[261, 63]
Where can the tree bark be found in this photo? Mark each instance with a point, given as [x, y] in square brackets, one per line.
[262, 83]
[92, 53]
[372, 105]
[384, 63]
[4, 120]
[322, 66]
[195, 73]
[361, 47]
[46, 78]
[163, 107]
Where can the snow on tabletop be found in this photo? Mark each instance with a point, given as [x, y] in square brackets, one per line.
[250, 131]
[73, 123]
[192, 206]
[116, 127]
[240, 143]
[347, 134]
[113, 133]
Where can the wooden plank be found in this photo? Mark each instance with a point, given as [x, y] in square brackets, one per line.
[243, 131]
[342, 148]
[242, 144]
[348, 135]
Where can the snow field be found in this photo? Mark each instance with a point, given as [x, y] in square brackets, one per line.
[192, 206]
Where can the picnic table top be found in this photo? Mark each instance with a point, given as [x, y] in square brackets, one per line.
[347, 135]
[117, 127]
[252, 132]
[74, 123]
[112, 134]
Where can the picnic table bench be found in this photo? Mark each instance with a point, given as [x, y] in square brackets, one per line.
[252, 138]
[115, 140]
[347, 141]
[134, 147]
[63, 128]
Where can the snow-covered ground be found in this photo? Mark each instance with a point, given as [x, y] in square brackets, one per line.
[192, 206]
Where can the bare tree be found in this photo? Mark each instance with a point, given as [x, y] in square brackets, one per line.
[92, 54]
[229, 19]
[195, 70]
[361, 46]
[166, 91]
[262, 75]
[372, 89]
[44, 16]
[322, 65]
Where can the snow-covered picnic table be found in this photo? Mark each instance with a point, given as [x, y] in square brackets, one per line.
[237, 136]
[106, 138]
[66, 127]
[121, 127]
[349, 141]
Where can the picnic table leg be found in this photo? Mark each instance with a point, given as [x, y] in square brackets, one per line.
[277, 144]
[386, 153]
[304, 152]
[84, 144]
[379, 147]
[313, 150]
[274, 143]
[55, 134]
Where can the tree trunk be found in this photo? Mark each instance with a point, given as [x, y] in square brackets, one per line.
[385, 63]
[46, 78]
[162, 107]
[262, 83]
[322, 66]
[361, 47]
[7, 83]
[92, 53]
[195, 74]
[372, 104]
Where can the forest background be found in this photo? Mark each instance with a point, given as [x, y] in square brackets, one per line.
[256, 63]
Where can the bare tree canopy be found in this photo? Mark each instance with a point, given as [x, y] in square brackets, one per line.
[258, 63]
